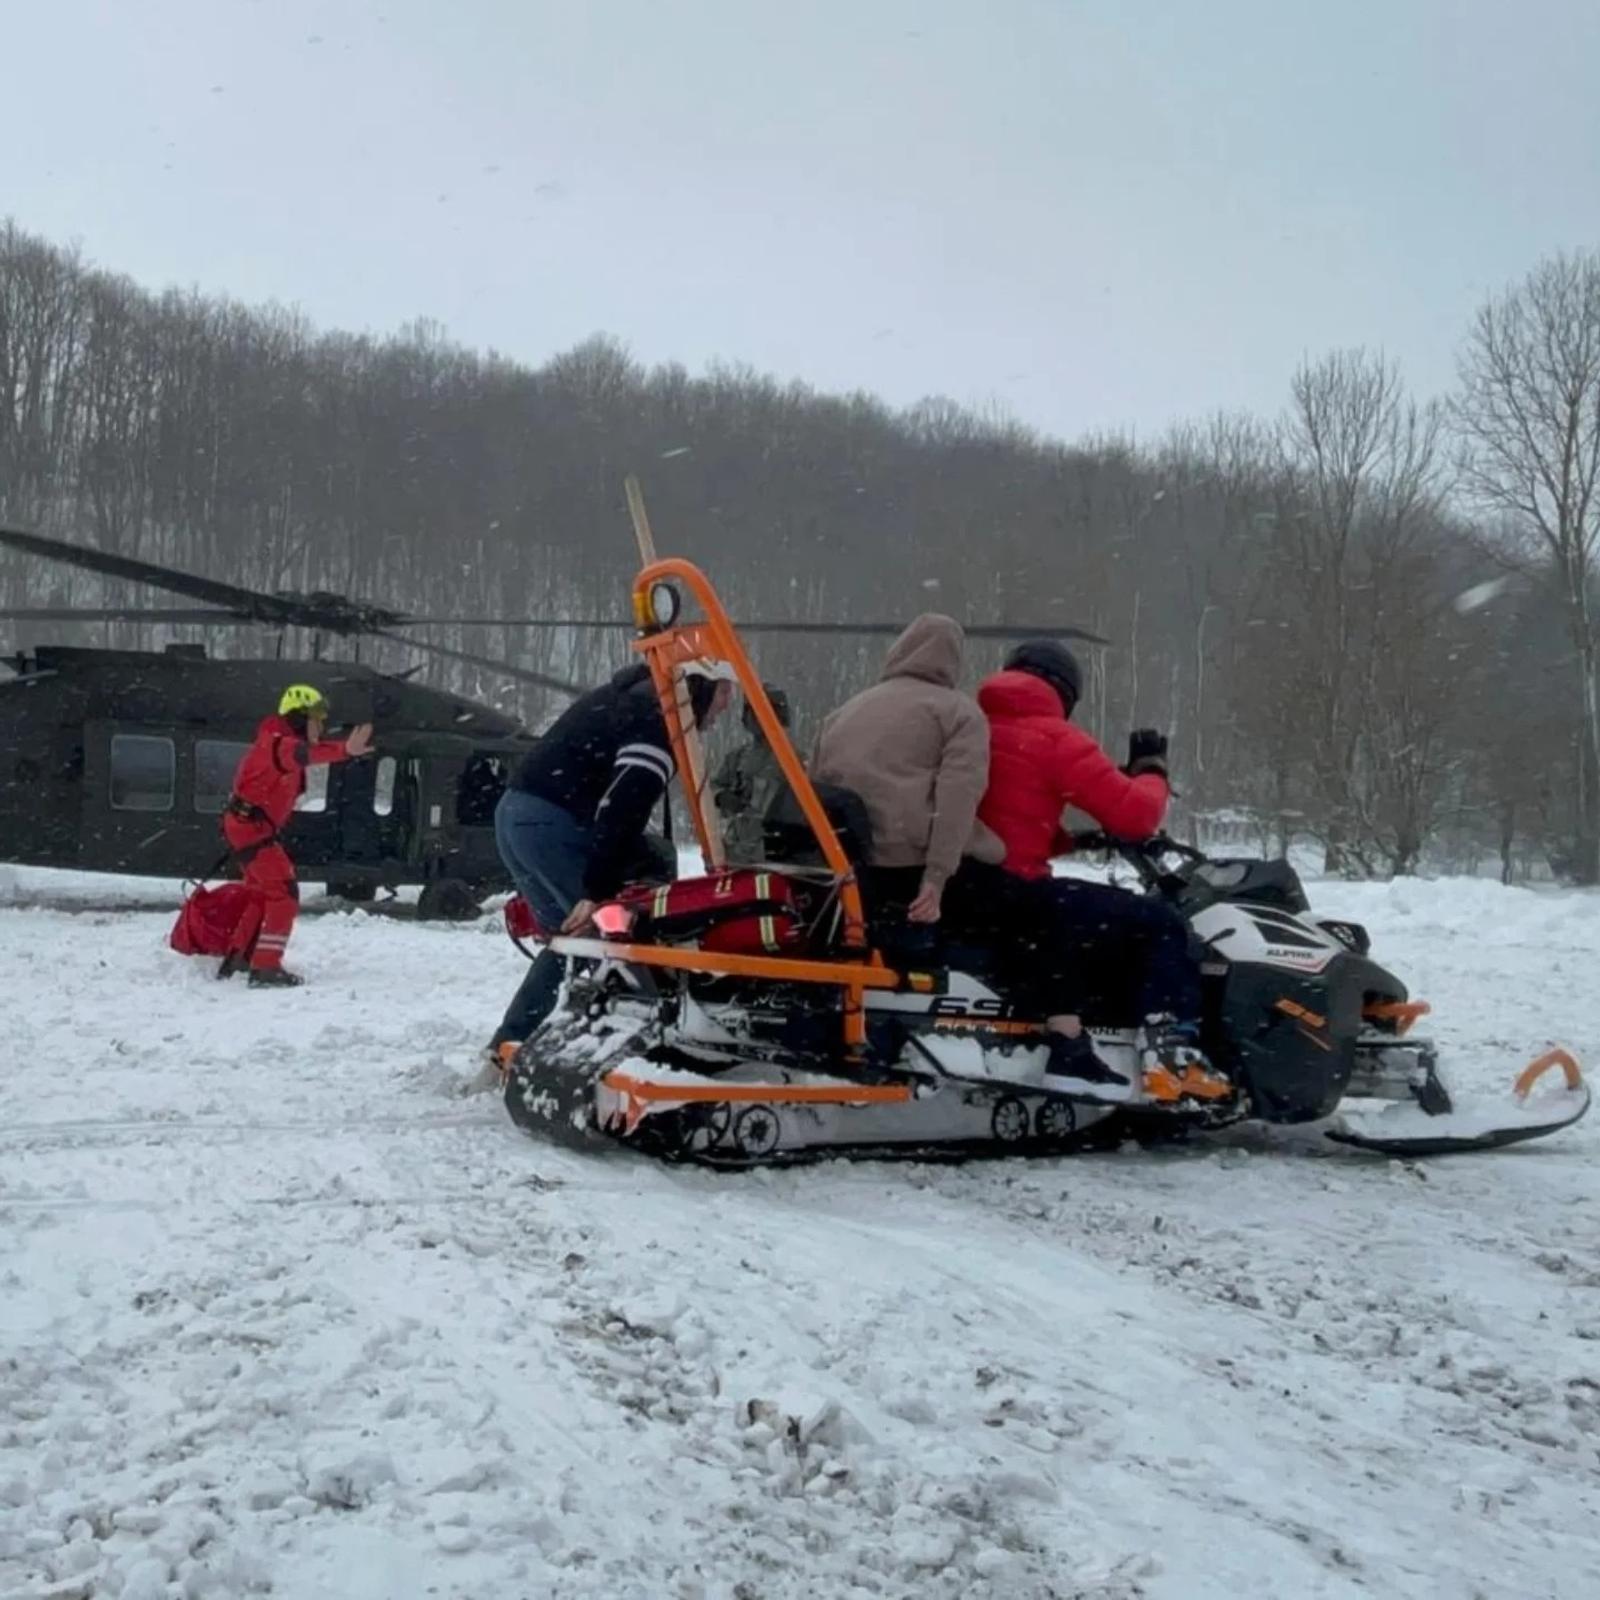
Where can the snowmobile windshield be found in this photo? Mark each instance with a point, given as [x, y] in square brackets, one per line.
[1264, 883]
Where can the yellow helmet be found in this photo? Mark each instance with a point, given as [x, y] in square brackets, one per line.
[302, 697]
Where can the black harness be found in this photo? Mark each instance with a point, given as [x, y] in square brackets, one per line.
[246, 811]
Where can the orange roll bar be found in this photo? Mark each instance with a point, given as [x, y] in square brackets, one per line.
[779, 969]
[665, 649]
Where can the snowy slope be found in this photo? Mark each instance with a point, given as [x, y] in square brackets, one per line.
[280, 1313]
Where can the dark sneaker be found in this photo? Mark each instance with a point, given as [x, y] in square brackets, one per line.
[230, 965]
[274, 978]
[1175, 1067]
[1075, 1069]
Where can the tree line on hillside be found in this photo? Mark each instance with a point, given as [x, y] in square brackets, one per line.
[1368, 621]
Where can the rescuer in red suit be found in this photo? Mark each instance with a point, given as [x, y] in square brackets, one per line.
[271, 777]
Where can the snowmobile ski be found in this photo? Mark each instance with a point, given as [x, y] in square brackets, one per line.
[1413, 1130]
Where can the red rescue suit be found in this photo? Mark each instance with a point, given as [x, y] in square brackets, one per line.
[271, 777]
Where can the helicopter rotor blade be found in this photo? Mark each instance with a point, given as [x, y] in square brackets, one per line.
[332, 613]
[110, 565]
[892, 630]
[214, 617]
[192, 614]
[977, 630]
[329, 613]
[489, 663]
[337, 614]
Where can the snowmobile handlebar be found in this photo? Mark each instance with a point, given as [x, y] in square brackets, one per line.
[1145, 856]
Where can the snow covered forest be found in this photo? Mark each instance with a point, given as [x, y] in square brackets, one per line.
[1367, 621]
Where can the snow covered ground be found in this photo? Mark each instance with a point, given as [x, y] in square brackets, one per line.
[280, 1313]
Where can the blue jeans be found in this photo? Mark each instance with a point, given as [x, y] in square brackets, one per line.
[546, 850]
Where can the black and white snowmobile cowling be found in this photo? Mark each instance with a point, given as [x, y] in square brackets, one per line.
[1313, 1026]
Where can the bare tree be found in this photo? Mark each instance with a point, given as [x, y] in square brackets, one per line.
[1362, 481]
[1278, 599]
[1529, 410]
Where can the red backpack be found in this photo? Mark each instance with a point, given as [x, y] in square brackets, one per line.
[209, 918]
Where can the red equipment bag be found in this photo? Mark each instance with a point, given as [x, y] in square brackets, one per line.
[739, 912]
[523, 926]
[208, 918]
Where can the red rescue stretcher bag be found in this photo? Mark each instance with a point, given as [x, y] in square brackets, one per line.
[743, 911]
[208, 918]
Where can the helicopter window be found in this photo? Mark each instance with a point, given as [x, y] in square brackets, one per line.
[383, 786]
[482, 783]
[143, 772]
[215, 762]
[315, 796]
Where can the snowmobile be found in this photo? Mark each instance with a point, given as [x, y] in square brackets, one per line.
[754, 1017]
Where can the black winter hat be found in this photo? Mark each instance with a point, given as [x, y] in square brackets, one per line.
[1050, 660]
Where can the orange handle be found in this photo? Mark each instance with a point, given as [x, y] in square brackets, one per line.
[1540, 1065]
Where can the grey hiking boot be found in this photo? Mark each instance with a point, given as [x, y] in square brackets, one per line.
[1175, 1067]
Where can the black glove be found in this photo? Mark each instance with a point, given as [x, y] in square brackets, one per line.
[1147, 752]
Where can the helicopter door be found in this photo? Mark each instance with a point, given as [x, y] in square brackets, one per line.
[360, 825]
[397, 805]
[137, 780]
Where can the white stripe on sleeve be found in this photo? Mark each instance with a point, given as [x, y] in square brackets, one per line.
[636, 755]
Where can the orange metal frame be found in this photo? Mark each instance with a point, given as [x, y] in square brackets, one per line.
[781, 969]
[715, 638]
[837, 1094]
[1404, 1014]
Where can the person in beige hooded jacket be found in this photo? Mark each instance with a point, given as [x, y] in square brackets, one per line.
[916, 749]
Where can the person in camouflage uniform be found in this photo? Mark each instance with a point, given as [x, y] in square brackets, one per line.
[747, 783]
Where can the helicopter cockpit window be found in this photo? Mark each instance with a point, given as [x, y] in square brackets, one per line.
[315, 797]
[143, 772]
[215, 763]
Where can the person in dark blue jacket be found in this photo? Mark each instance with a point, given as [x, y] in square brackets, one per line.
[571, 824]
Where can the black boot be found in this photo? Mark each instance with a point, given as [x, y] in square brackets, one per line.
[230, 965]
[1075, 1069]
[274, 978]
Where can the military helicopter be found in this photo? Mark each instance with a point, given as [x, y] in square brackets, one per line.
[120, 761]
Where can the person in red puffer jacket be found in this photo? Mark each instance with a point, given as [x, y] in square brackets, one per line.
[1040, 764]
[270, 778]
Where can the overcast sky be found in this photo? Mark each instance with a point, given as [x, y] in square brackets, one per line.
[1101, 216]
